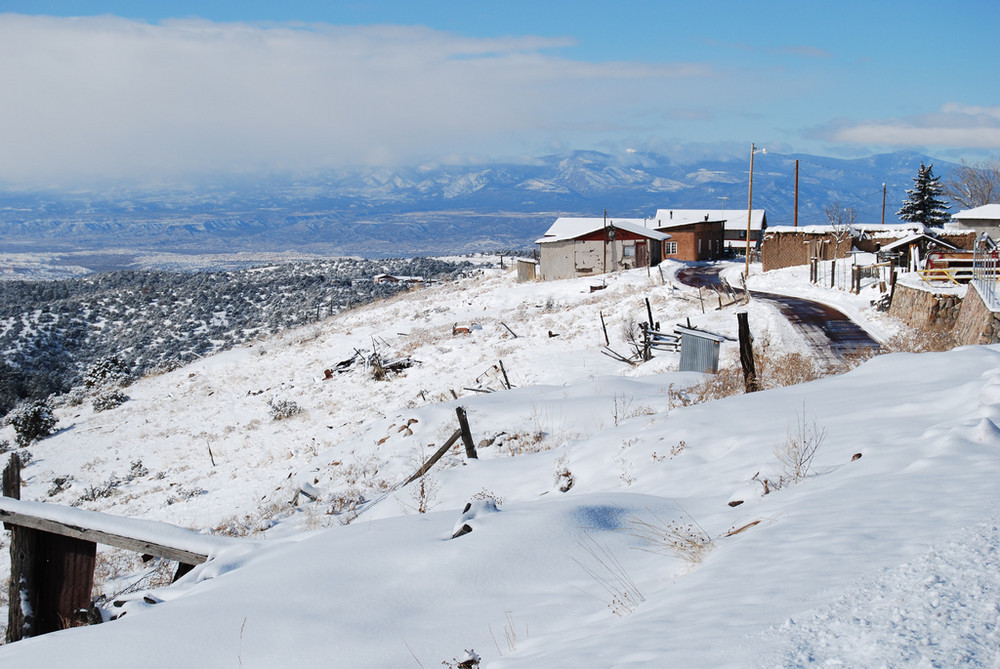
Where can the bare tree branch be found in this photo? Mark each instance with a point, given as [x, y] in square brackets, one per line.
[975, 184]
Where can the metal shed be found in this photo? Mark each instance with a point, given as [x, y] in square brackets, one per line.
[526, 270]
[699, 350]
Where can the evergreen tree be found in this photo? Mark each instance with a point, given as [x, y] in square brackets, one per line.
[923, 203]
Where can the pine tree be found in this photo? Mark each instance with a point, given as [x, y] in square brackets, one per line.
[923, 203]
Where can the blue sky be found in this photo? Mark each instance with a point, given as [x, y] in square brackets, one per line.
[178, 89]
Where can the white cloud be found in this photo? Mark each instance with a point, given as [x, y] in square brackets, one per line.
[956, 125]
[107, 97]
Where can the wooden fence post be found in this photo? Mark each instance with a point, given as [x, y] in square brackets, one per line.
[52, 574]
[22, 590]
[463, 424]
[751, 383]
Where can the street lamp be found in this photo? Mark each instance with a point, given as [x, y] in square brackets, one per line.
[753, 150]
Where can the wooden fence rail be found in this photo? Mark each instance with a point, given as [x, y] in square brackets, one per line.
[53, 554]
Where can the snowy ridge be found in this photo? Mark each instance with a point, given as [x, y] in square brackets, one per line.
[812, 572]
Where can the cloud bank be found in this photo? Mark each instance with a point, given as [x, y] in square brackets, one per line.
[955, 125]
[111, 98]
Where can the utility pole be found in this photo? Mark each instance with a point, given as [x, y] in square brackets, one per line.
[883, 203]
[796, 224]
[749, 211]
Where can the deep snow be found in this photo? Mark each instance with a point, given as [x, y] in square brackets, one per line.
[885, 560]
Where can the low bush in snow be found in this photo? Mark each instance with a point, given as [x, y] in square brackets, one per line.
[282, 409]
[110, 400]
[31, 422]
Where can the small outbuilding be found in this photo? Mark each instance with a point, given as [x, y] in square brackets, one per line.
[981, 219]
[574, 247]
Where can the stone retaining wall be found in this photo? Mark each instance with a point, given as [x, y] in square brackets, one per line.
[976, 324]
[923, 309]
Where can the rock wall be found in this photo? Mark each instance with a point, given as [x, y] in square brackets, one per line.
[976, 324]
[920, 308]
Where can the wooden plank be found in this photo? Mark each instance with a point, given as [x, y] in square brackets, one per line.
[100, 537]
[438, 454]
[142, 536]
[65, 583]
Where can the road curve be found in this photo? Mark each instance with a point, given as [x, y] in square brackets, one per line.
[829, 331]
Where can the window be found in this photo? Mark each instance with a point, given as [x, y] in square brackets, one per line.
[669, 248]
[629, 251]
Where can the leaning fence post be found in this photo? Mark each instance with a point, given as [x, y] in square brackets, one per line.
[750, 380]
[463, 424]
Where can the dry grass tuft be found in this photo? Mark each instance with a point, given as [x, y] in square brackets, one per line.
[685, 540]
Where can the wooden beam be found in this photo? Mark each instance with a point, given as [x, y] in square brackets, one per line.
[142, 536]
[434, 458]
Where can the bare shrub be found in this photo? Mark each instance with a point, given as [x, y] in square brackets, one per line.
[921, 340]
[726, 382]
[247, 524]
[795, 455]
[801, 444]
[423, 491]
[685, 540]
[523, 443]
[118, 572]
[608, 571]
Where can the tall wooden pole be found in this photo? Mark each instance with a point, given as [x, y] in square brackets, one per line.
[746, 273]
[750, 381]
[796, 224]
[883, 204]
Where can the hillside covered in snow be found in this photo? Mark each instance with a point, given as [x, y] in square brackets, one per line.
[615, 520]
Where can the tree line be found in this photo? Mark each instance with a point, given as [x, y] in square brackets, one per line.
[52, 332]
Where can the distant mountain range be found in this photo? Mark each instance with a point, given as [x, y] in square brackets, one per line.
[435, 209]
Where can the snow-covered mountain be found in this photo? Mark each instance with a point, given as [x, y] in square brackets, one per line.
[433, 208]
[614, 524]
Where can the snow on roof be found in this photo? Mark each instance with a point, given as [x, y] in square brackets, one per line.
[906, 241]
[678, 224]
[736, 219]
[987, 211]
[874, 230]
[570, 228]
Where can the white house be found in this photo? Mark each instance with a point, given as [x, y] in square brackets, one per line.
[584, 246]
[981, 219]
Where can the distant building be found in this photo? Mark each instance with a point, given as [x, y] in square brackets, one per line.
[981, 219]
[904, 244]
[390, 278]
[735, 224]
[697, 240]
[574, 247]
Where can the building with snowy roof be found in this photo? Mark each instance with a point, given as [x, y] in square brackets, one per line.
[574, 247]
[735, 224]
[981, 219]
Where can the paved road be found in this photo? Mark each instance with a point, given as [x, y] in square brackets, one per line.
[830, 332]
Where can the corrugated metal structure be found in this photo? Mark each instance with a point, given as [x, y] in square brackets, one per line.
[699, 350]
[527, 270]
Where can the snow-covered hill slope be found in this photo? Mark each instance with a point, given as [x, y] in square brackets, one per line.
[887, 559]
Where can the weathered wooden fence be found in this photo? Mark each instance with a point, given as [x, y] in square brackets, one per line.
[53, 554]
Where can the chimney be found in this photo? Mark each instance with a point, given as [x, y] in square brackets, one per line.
[671, 214]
